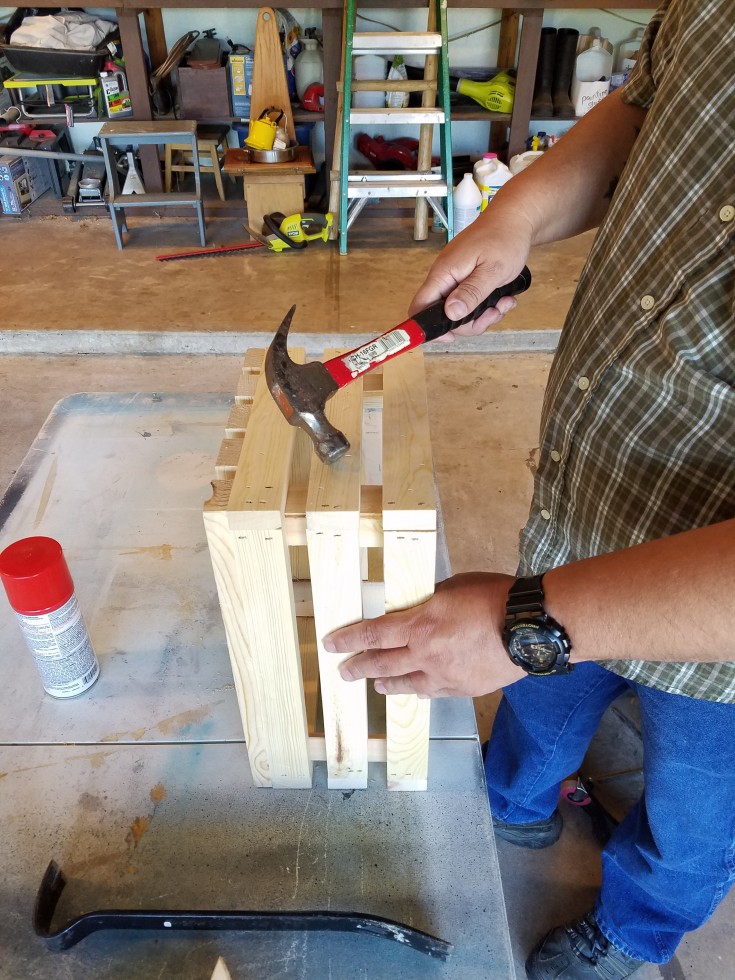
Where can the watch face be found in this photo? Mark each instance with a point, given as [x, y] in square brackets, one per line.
[535, 646]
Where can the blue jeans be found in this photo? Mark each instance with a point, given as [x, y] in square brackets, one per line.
[672, 859]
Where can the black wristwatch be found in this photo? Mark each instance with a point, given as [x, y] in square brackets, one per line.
[534, 640]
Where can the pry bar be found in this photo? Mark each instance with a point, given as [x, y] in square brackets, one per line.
[168, 920]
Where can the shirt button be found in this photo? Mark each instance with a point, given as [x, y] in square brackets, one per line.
[546, 515]
[727, 213]
[648, 303]
[555, 455]
[583, 384]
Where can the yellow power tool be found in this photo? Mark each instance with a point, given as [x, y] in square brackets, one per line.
[292, 232]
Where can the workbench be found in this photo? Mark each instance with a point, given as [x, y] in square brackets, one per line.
[140, 789]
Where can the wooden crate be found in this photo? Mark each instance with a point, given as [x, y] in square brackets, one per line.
[299, 548]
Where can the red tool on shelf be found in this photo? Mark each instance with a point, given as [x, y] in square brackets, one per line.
[388, 154]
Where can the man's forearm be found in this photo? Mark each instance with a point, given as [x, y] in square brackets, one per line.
[669, 599]
[568, 190]
[663, 600]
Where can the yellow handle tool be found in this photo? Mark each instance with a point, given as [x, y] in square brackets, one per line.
[296, 230]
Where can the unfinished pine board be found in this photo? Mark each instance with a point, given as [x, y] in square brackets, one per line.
[409, 548]
[409, 497]
[253, 575]
[305, 548]
[222, 551]
[269, 88]
[237, 420]
[333, 536]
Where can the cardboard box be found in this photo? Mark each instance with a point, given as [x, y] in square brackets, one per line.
[241, 83]
[22, 180]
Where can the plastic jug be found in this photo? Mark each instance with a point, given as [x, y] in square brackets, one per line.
[467, 203]
[593, 64]
[308, 66]
[115, 91]
[490, 175]
[628, 52]
[369, 67]
[522, 160]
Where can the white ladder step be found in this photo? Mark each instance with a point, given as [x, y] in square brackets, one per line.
[390, 117]
[387, 187]
[396, 42]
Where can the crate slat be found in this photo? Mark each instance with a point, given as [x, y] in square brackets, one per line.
[409, 498]
[223, 555]
[333, 536]
[409, 548]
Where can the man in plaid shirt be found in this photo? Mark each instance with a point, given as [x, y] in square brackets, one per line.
[632, 523]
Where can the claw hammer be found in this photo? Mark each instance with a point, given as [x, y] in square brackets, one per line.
[301, 391]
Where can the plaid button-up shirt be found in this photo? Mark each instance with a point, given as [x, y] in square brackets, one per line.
[638, 425]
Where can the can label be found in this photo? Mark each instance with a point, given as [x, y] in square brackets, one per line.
[61, 647]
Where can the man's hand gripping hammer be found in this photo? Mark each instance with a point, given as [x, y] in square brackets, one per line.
[301, 391]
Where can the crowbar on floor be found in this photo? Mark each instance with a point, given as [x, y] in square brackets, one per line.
[163, 920]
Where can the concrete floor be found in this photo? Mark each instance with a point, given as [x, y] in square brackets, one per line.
[67, 277]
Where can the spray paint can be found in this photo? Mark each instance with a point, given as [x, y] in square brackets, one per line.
[41, 593]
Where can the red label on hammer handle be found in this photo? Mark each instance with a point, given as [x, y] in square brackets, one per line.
[347, 367]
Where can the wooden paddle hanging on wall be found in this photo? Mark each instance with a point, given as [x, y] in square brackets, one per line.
[270, 87]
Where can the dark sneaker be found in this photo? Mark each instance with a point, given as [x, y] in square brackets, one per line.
[579, 952]
[541, 833]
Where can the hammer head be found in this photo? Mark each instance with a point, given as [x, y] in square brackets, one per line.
[301, 392]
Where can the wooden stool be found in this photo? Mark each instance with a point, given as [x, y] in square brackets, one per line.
[211, 145]
[154, 134]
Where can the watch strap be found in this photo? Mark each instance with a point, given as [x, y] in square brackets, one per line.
[526, 597]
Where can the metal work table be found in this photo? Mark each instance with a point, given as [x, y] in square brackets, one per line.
[140, 788]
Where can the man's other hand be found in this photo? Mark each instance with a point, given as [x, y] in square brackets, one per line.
[449, 646]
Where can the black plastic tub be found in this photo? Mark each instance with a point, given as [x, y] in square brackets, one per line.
[58, 62]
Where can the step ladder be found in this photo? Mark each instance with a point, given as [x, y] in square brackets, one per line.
[350, 191]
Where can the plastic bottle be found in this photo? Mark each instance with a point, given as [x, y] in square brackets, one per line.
[628, 52]
[115, 91]
[398, 72]
[467, 203]
[41, 593]
[369, 67]
[490, 175]
[308, 66]
[594, 63]
[522, 160]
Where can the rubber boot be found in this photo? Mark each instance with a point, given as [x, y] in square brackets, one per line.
[543, 107]
[566, 55]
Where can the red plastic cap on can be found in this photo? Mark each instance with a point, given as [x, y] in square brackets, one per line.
[35, 575]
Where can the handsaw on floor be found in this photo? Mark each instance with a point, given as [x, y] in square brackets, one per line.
[286, 233]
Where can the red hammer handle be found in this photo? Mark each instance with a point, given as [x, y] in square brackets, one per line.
[429, 324]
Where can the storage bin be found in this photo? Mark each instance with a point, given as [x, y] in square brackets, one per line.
[53, 61]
